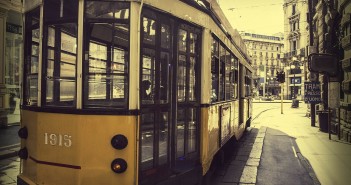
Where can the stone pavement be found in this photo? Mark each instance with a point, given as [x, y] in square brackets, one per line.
[9, 141]
[285, 149]
[9, 169]
[330, 159]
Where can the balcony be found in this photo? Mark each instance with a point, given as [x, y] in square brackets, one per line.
[301, 52]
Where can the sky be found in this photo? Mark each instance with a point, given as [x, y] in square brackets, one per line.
[255, 16]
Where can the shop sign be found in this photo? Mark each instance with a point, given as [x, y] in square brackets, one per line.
[13, 28]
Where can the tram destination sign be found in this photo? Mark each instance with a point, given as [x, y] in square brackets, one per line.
[312, 92]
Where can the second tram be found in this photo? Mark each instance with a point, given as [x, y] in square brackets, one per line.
[135, 92]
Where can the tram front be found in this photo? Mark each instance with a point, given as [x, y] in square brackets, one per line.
[79, 122]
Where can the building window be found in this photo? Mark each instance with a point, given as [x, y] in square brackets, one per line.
[293, 9]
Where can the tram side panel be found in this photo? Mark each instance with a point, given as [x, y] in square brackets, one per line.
[78, 148]
[214, 133]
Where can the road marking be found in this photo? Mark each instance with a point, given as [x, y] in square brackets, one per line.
[294, 151]
[9, 146]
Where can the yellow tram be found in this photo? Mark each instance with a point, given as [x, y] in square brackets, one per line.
[129, 92]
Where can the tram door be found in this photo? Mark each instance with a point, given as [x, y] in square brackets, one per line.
[169, 79]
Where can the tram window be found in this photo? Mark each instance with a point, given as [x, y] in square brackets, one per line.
[192, 130]
[164, 77]
[180, 133]
[155, 60]
[165, 36]
[163, 138]
[192, 80]
[31, 58]
[107, 10]
[193, 39]
[214, 70]
[182, 38]
[107, 43]
[61, 61]
[147, 140]
[63, 9]
[228, 71]
[222, 74]
[148, 76]
[149, 31]
[181, 78]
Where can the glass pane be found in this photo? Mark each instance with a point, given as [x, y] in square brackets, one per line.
[221, 80]
[119, 86]
[51, 37]
[97, 87]
[35, 35]
[68, 58]
[148, 76]
[181, 78]
[50, 68]
[165, 36]
[164, 77]
[182, 40]
[67, 91]
[32, 94]
[55, 9]
[193, 38]
[34, 65]
[108, 10]
[49, 90]
[192, 80]
[149, 31]
[106, 90]
[97, 66]
[147, 140]
[227, 76]
[97, 51]
[180, 133]
[67, 70]
[192, 130]
[163, 138]
[68, 42]
[214, 47]
[121, 35]
[214, 77]
[119, 63]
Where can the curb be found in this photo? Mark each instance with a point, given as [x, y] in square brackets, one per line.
[9, 151]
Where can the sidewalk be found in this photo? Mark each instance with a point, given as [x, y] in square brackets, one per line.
[285, 149]
[330, 159]
[9, 141]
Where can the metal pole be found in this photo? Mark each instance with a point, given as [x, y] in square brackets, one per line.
[294, 88]
[281, 97]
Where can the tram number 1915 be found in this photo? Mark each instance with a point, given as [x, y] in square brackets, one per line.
[58, 140]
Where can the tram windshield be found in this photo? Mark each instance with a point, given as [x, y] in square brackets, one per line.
[104, 53]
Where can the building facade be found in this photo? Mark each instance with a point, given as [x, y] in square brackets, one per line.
[295, 44]
[332, 35]
[11, 46]
[265, 52]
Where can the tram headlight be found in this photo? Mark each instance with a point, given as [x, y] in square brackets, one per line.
[119, 141]
[119, 165]
[23, 153]
[23, 133]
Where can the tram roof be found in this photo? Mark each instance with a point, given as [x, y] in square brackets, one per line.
[215, 10]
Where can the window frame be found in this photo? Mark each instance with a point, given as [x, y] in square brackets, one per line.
[110, 76]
